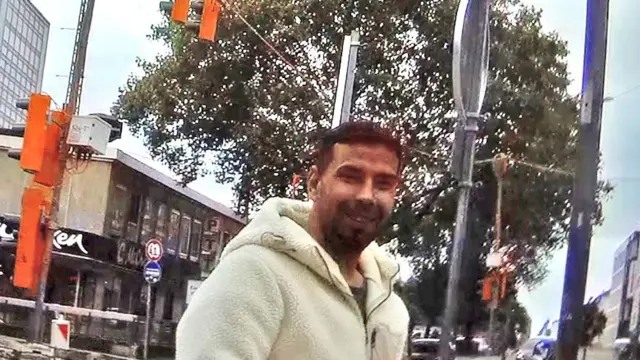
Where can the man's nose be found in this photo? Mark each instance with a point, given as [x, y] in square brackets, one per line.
[366, 191]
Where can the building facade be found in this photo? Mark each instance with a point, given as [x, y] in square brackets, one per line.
[622, 305]
[24, 32]
[110, 207]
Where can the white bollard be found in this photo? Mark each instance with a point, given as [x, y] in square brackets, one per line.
[60, 333]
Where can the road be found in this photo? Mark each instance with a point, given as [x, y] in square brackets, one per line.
[593, 354]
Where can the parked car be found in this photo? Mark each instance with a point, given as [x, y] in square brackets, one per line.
[537, 348]
[483, 346]
[427, 349]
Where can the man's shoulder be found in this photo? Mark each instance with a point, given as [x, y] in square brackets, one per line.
[263, 256]
[397, 308]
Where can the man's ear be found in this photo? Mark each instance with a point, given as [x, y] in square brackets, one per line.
[313, 181]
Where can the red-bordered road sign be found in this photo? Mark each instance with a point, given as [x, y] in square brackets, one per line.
[153, 250]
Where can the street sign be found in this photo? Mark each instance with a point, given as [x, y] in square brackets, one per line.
[153, 250]
[471, 55]
[152, 272]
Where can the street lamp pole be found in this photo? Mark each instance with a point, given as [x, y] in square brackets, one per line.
[470, 73]
[586, 181]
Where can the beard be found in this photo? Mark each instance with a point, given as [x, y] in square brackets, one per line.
[352, 227]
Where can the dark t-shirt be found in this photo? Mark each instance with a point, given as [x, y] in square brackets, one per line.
[360, 294]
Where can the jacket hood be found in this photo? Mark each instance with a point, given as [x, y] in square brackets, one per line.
[282, 224]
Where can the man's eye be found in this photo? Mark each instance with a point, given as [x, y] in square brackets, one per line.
[385, 185]
[351, 177]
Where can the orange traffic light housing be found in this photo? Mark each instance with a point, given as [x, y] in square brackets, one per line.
[48, 174]
[180, 10]
[32, 155]
[209, 20]
[31, 242]
[487, 289]
[496, 280]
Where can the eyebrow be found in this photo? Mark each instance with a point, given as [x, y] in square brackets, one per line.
[353, 168]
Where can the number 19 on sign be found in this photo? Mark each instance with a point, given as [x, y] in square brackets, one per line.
[153, 250]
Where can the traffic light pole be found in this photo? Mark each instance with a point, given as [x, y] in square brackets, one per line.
[586, 181]
[71, 106]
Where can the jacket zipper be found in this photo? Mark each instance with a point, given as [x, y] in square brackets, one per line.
[368, 316]
[370, 342]
[350, 297]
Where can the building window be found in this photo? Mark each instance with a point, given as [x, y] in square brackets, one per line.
[196, 235]
[148, 220]
[174, 232]
[185, 235]
[134, 209]
[133, 218]
[118, 212]
[167, 313]
[161, 224]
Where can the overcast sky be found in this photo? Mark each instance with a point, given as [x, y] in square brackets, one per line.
[118, 37]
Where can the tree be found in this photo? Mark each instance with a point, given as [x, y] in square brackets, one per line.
[235, 106]
[594, 321]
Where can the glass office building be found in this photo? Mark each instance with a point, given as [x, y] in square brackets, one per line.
[24, 32]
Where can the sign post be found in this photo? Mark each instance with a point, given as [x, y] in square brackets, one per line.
[470, 73]
[152, 274]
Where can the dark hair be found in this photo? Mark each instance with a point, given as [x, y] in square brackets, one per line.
[355, 132]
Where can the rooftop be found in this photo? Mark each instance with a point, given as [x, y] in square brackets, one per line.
[115, 154]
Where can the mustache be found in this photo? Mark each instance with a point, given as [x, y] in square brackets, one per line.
[363, 208]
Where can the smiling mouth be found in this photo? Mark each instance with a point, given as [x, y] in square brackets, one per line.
[361, 219]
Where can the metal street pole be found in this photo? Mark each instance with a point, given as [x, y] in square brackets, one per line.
[346, 77]
[470, 73]
[71, 106]
[147, 324]
[586, 181]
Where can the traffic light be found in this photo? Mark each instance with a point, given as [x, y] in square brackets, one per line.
[179, 9]
[32, 155]
[205, 22]
[31, 242]
[48, 174]
[15, 130]
[209, 19]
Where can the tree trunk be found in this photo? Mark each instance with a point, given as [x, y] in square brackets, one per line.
[584, 353]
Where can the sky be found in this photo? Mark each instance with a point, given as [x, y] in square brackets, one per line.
[118, 36]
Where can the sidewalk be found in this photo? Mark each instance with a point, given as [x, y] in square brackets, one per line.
[14, 349]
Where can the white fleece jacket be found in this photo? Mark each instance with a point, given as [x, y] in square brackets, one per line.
[278, 295]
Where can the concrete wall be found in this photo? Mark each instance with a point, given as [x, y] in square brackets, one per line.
[12, 184]
[83, 197]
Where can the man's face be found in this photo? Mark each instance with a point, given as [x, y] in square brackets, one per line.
[354, 196]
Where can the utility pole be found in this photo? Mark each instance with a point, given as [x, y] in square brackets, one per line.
[72, 101]
[586, 180]
[346, 77]
[470, 74]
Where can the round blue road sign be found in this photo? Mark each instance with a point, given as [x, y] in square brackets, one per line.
[152, 272]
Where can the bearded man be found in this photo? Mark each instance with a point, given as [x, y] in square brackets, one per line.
[306, 280]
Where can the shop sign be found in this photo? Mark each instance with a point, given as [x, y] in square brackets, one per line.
[130, 254]
[5, 234]
[62, 239]
[192, 287]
